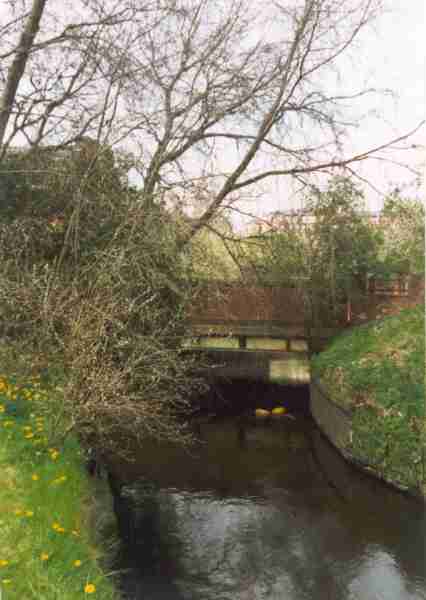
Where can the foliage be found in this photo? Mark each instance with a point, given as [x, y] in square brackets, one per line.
[279, 257]
[326, 252]
[105, 297]
[128, 376]
[213, 253]
[343, 245]
[403, 250]
[377, 370]
[60, 200]
[49, 545]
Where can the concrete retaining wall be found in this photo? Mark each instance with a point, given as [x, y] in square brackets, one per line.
[332, 419]
[335, 422]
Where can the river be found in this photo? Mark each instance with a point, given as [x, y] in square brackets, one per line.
[266, 512]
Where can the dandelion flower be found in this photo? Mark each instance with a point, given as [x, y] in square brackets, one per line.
[56, 526]
[29, 435]
[44, 556]
[89, 588]
[3, 562]
[2, 408]
[59, 480]
[18, 512]
[35, 477]
[29, 513]
[77, 563]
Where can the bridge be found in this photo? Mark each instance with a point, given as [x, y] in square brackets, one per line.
[265, 333]
[253, 351]
[254, 333]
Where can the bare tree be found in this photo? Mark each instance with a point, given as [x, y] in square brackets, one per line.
[208, 81]
[230, 93]
[17, 68]
[59, 74]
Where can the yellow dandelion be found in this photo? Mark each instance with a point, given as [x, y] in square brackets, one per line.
[54, 455]
[60, 530]
[27, 428]
[18, 512]
[77, 563]
[29, 513]
[35, 477]
[3, 562]
[59, 480]
[89, 588]
[56, 526]
[44, 556]
[75, 532]
[29, 435]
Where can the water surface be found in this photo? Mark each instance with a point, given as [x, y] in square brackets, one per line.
[267, 512]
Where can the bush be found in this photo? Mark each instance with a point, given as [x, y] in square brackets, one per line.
[104, 293]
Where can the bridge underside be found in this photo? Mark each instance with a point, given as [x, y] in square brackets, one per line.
[285, 368]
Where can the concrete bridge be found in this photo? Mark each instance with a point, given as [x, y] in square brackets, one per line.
[254, 333]
[264, 333]
[273, 352]
[253, 351]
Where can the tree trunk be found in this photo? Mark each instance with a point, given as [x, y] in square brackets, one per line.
[18, 65]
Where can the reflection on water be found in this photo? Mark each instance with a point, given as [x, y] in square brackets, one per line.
[267, 512]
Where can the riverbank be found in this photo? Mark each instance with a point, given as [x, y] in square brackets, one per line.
[53, 534]
[375, 373]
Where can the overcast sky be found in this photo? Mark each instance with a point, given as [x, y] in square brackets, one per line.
[393, 55]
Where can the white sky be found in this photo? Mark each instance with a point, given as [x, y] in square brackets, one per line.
[393, 56]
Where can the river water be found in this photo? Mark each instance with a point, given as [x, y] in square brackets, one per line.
[266, 512]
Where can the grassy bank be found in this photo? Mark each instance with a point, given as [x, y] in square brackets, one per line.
[378, 371]
[49, 548]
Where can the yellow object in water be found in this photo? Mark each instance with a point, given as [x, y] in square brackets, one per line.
[261, 413]
[279, 410]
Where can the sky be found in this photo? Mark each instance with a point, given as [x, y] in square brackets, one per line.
[392, 56]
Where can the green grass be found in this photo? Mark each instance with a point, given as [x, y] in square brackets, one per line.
[378, 370]
[48, 549]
